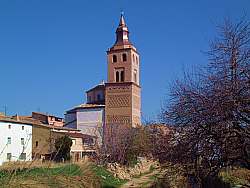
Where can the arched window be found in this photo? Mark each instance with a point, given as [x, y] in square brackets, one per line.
[114, 58]
[117, 76]
[122, 76]
[124, 57]
[133, 57]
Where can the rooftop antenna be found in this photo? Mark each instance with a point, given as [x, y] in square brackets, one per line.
[5, 110]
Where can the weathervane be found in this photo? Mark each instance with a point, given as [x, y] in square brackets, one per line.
[122, 12]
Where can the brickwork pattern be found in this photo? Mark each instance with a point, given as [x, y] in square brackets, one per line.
[117, 101]
[118, 119]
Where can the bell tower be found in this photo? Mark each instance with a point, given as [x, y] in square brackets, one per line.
[123, 91]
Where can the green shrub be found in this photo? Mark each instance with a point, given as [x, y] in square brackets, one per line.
[107, 178]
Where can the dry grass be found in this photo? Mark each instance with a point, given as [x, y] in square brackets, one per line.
[36, 175]
[29, 164]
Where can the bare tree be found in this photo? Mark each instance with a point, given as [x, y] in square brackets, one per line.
[211, 107]
[123, 144]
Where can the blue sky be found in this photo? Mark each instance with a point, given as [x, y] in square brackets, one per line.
[52, 51]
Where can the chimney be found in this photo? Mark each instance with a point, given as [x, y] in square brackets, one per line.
[16, 117]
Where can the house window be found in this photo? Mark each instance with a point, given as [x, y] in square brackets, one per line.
[9, 156]
[9, 140]
[124, 57]
[9, 126]
[117, 76]
[22, 127]
[114, 58]
[22, 141]
[89, 142]
[122, 76]
[22, 156]
[36, 143]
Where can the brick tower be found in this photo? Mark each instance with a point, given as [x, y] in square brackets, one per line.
[123, 91]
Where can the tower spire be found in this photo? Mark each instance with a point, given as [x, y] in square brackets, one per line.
[122, 33]
[122, 21]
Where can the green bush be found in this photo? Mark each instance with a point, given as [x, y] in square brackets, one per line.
[107, 178]
[63, 146]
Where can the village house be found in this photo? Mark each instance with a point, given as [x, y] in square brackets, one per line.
[45, 135]
[24, 138]
[48, 119]
[15, 140]
[82, 146]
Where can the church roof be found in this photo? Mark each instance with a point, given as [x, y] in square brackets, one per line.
[90, 106]
[86, 106]
[99, 86]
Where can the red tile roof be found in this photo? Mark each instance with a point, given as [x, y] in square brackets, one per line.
[30, 121]
[79, 135]
[86, 106]
[48, 115]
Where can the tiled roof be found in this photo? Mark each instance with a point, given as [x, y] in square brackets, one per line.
[30, 121]
[90, 106]
[99, 86]
[48, 115]
[64, 128]
[79, 135]
[37, 122]
[12, 120]
[86, 106]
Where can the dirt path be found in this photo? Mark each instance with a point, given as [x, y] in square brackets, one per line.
[143, 181]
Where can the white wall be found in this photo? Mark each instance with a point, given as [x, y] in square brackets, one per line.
[90, 121]
[15, 148]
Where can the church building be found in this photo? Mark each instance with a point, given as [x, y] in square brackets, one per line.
[117, 101]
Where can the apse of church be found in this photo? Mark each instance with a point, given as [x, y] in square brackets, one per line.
[123, 91]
